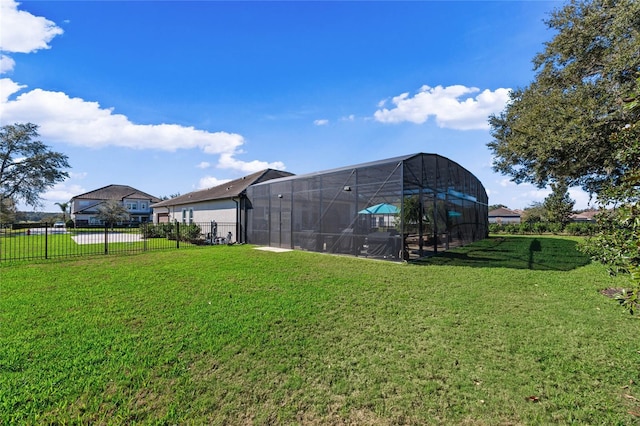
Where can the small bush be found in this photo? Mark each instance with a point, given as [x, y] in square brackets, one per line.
[190, 232]
[540, 227]
[495, 228]
[161, 230]
[580, 228]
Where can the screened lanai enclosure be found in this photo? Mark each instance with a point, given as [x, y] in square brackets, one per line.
[401, 208]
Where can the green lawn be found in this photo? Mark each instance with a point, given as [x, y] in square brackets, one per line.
[511, 330]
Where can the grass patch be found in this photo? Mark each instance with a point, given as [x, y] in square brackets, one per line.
[506, 331]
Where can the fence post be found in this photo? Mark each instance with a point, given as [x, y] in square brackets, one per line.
[144, 234]
[106, 238]
[46, 240]
[177, 234]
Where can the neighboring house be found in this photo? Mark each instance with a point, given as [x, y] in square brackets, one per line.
[224, 203]
[504, 216]
[588, 216]
[84, 207]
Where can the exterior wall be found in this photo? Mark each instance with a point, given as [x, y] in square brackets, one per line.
[139, 210]
[207, 211]
[504, 219]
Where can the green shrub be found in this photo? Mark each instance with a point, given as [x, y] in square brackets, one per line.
[190, 232]
[511, 228]
[160, 230]
[540, 227]
[495, 228]
[580, 228]
[554, 227]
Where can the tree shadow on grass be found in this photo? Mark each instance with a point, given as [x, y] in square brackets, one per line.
[521, 252]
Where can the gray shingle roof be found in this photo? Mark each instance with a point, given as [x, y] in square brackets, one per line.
[502, 212]
[116, 192]
[227, 190]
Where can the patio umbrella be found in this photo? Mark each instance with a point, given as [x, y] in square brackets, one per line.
[382, 208]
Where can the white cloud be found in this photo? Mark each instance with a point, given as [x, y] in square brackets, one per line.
[78, 175]
[210, 182]
[23, 32]
[350, 117]
[525, 194]
[582, 199]
[453, 107]
[7, 88]
[204, 165]
[322, 122]
[506, 182]
[78, 122]
[6, 64]
[515, 196]
[83, 123]
[535, 195]
[62, 191]
[228, 162]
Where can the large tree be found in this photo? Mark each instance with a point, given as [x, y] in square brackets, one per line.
[27, 166]
[577, 123]
[560, 127]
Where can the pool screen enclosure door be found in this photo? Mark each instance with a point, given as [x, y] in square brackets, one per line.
[401, 208]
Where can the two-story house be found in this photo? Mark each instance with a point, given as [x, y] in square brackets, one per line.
[84, 207]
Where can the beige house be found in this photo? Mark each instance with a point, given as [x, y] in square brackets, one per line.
[504, 216]
[587, 216]
[226, 203]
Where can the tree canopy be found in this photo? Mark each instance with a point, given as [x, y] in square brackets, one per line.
[112, 212]
[561, 127]
[27, 166]
[577, 124]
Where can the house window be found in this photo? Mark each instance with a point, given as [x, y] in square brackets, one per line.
[132, 205]
[143, 206]
[190, 215]
[184, 215]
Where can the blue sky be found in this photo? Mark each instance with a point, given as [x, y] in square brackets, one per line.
[170, 97]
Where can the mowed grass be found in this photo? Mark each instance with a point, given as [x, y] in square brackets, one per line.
[507, 331]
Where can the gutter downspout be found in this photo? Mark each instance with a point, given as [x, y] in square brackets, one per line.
[238, 218]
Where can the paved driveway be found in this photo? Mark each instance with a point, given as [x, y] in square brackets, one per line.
[112, 237]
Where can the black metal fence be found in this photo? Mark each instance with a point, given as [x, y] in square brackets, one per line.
[46, 241]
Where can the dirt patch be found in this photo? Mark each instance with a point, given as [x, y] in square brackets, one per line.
[611, 292]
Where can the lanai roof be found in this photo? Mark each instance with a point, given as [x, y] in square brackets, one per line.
[397, 159]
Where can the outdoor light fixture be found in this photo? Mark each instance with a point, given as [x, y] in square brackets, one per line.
[347, 188]
[279, 195]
